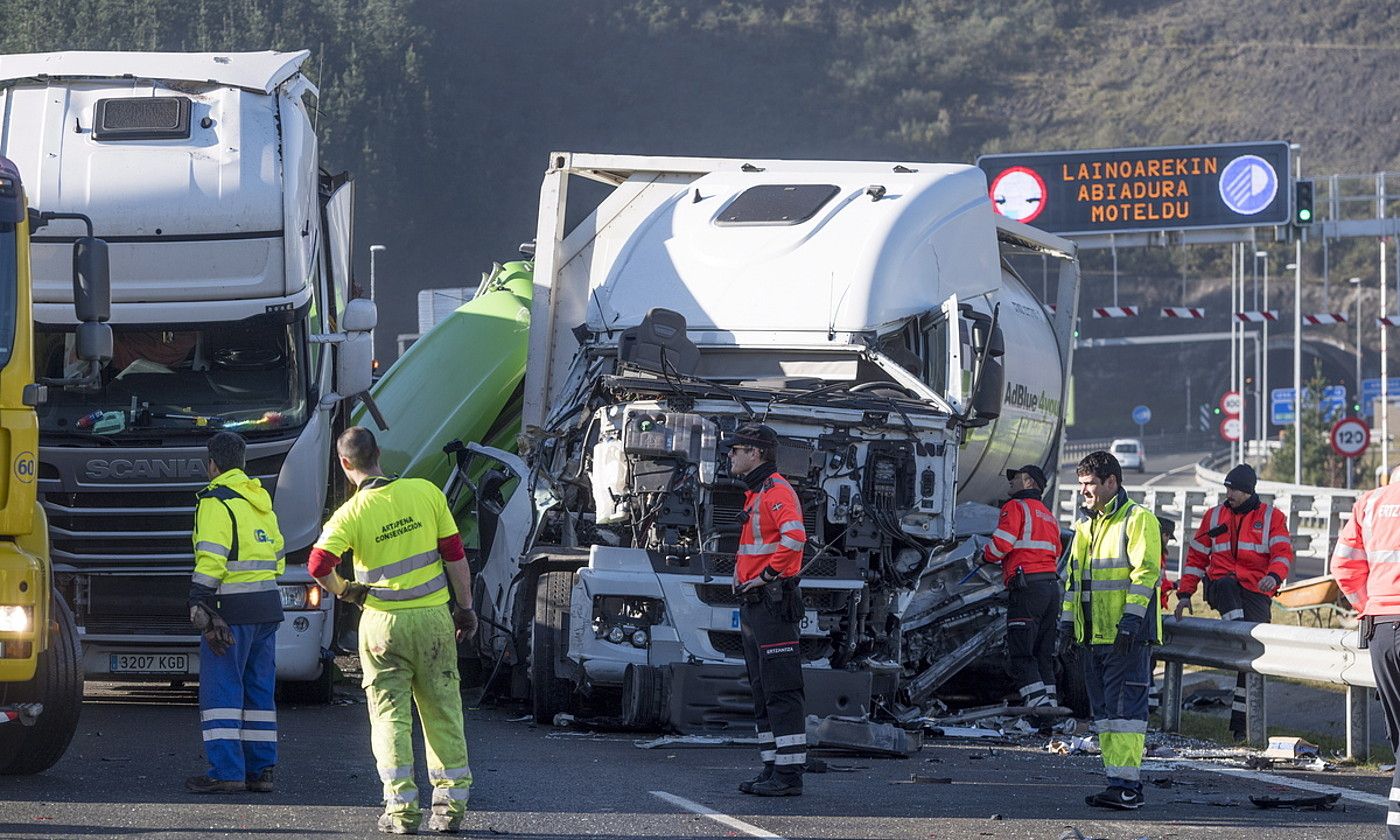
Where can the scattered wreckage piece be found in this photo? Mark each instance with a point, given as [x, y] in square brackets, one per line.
[862, 736]
[1324, 802]
[1001, 710]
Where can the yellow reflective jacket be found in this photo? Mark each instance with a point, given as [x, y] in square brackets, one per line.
[393, 526]
[1115, 567]
[238, 549]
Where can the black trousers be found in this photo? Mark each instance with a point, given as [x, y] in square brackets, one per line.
[1235, 603]
[1385, 663]
[1032, 616]
[769, 621]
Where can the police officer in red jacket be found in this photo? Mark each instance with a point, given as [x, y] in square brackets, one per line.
[1243, 551]
[766, 571]
[1366, 563]
[1027, 545]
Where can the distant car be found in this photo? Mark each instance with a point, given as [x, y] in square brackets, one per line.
[1130, 454]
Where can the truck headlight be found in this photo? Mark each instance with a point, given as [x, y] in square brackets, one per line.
[300, 596]
[14, 619]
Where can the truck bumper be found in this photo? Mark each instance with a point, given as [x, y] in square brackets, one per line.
[708, 698]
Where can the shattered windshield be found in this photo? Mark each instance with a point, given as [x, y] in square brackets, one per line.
[247, 376]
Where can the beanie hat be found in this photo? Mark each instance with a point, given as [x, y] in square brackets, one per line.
[1242, 478]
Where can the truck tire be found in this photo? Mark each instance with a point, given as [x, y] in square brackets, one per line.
[549, 694]
[320, 691]
[58, 684]
[646, 697]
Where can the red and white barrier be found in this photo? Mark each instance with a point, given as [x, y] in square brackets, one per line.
[1183, 312]
[1387, 322]
[1257, 316]
[1115, 311]
[1324, 318]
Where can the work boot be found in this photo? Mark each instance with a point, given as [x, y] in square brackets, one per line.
[1122, 799]
[388, 824]
[763, 775]
[778, 785]
[261, 783]
[445, 824]
[206, 784]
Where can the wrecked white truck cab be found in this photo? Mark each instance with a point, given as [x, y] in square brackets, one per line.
[862, 310]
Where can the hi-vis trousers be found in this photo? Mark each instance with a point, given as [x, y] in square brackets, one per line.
[236, 709]
[411, 654]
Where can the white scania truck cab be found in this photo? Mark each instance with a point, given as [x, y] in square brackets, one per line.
[230, 251]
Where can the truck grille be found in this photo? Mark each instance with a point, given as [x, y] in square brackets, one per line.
[732, 646]
[137, 604]
[829, 565]
[822, 600]
[138, 523]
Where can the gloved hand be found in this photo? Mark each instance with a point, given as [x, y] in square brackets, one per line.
[354, 593]
[1129, 626]
[212, 626]
[466, 621]
[1064, 642]
[1183, 602]
[1269, 583]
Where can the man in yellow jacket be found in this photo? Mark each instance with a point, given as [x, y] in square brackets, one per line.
[235, 604]
[1110, 606]
[406, 549]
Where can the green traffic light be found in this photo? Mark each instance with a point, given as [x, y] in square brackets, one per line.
[1305, 215]
[1217, 411]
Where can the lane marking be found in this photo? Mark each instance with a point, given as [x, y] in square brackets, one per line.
[711, 813]
[1300, 784]
[1156, 478]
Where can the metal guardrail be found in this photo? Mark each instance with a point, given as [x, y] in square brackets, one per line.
[1315, 514]
[1269, 650]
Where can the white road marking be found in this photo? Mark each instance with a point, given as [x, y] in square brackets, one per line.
[711, 813]
[1270, 778]
[1156, 478]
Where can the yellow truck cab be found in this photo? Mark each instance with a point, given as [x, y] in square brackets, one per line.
[41, 675]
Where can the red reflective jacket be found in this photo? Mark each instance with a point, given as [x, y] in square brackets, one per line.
[1252, 545]
[773, 534]
[1027, 537]
[1366, 561]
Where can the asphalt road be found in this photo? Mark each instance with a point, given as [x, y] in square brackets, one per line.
[122, 778]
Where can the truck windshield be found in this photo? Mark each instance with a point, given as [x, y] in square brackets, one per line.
[247, 376]
[9, 289]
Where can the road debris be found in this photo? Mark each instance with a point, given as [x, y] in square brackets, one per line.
[965, 732]
[1292, 748]
[861, 736]
[695, 741]
[1078, 745]
[1298, 803]
[923, 779]
[1204, 698]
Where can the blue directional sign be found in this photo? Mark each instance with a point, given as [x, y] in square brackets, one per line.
[1281, 407]
[1371, 391]
[1142, 415]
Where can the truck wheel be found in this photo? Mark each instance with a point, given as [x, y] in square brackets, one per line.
[645, 697]
[58, 684]
[550, 695]
[320, 691]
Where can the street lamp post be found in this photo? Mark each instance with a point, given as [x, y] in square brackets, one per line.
[1297, 267]
[374, 251]
[1356, 284]
[1266, 399]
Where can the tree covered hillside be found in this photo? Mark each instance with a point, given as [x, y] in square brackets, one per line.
[446, 109]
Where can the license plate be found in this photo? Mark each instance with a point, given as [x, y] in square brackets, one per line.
[150, 663]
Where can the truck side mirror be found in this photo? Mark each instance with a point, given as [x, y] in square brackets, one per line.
[361, 315]
[92, 283]
[354, 355]
[94, 342]
[986, 403]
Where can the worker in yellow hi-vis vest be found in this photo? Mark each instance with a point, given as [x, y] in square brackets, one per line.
[406, 549]
[1111, 607]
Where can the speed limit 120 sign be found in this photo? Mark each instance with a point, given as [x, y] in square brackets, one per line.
[1350, 437]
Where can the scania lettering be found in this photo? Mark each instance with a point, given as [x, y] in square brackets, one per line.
[230, 249]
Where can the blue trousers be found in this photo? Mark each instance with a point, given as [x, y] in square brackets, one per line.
[1117, 687]
[236, 709]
